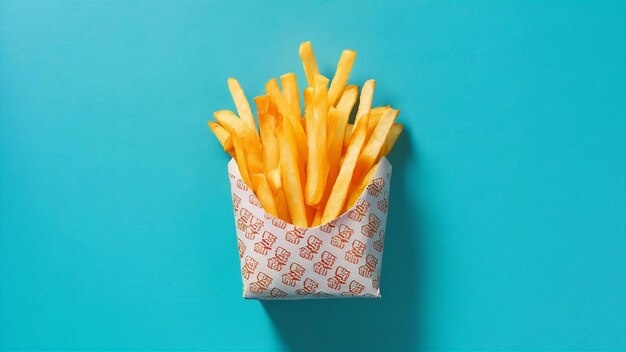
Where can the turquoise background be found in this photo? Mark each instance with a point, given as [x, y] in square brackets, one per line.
[508, 205]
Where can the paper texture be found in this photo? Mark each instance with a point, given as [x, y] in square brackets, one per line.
[338, 259]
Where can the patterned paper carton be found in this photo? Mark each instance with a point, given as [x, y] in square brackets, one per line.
[335, 260]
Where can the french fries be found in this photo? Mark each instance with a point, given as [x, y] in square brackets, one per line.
[341, 76]
[371, 151]
[290, 175]
[316, 129]
[307, 164]
[241, 103]
[223, 136]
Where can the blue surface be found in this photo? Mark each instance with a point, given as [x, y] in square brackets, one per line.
[508, 204]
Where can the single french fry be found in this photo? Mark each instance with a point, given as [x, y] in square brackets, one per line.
[290, 90]
[308, 61]
[241, 103]
[264, 193]
[375, 115]
[347, 100]
[336, 129]
[392, 137]
[271, 158]
[375, 143]
[346, 138]
[223, 136]
[337, 123]
[316, 125]
[365, 102]
[308, 105]
[290, 179]
[338, 195]
[249, 141]
[282, 207]
[345, 107]
[356, 190]
[271, 87]
[344, 66]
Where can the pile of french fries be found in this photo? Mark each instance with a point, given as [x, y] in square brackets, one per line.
[308, 167]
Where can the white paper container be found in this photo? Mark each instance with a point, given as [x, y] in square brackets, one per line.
[335, 260]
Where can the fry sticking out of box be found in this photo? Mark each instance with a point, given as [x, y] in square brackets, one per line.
[310, 190]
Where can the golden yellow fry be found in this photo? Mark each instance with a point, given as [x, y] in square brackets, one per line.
[264, 193]
[282, 207]
[291, 183]
[344, 66]
[365, 102]
[337, 123]
[392, 137]
[356, 190]
[290, 90]
[345, 106]
[347, 100]
[271, 87]
[271, 158]
[249, 142]
[308, 61]
[316, 130]
[241, 103]
[346, 138]
[375, 115]
[372, 149]
[222, 135]
[336, 129]
[339, 192]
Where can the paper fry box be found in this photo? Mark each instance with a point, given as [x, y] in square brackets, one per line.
[339, 259]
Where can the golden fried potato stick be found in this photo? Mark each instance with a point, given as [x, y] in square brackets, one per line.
[337, 122]
[264, 193]
[271, 157]
[308, 104]
[344, 107]
[316, 130]
[375, 115]
[282, 207]
[247, 141]
[223, 136]
[336, 128]
[339, 192]
[344, 66]
[374, 145]
[271, 87]
[290, 180]
[357, 190]
[347, 100]
[365, 102]
[290, 91]
[241, 103]
[308, 61]
[346, 137]
[392, 137]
